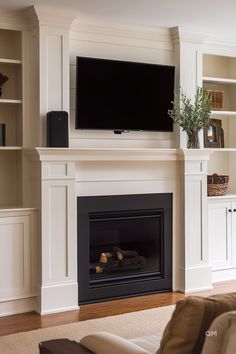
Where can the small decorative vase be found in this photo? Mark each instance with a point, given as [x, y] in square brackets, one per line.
[193, 141]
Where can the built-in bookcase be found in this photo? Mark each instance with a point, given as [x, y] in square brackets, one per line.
[11, 106]
[219, 74]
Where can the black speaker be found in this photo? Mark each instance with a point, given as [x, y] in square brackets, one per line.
[57, 129]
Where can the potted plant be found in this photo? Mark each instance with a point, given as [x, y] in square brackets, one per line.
[192, 117]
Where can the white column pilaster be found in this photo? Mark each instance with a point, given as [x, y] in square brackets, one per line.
[197, 271]
[59, 288]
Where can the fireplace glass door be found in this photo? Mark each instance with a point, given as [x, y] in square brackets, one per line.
[125, 246]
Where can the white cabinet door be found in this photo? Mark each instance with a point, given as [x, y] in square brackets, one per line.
[14, 257]
[220, 228]
[233, 249]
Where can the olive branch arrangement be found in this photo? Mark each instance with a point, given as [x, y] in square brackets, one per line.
[192, 117]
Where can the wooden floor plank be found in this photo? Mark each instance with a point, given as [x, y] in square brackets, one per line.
[30, 321]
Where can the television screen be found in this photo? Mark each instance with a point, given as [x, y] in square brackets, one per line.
[120, 95]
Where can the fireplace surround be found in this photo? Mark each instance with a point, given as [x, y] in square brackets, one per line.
[68, 174]
[124, 245]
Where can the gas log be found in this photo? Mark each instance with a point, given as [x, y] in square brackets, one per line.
[120, 260]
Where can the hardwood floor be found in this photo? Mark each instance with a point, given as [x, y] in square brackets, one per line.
[30, 321]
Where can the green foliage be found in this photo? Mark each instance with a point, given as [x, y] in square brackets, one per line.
[192, 117]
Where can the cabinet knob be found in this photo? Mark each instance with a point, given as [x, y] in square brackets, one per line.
[234, 210]
[230, 210]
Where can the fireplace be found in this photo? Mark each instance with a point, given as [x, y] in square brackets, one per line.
[124, 245]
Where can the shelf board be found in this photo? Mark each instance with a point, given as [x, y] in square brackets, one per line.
[218, 80]
[221, 149]
[15, 208]
[10, 101]
[217, 197]
[7, 148]
[223, 113]
[10, 61]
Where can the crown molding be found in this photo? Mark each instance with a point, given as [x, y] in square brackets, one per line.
[217, 43]
[154, 37]
[214, 40]
[31, 17]
[51, 17]
[186, 35]
[12, 20]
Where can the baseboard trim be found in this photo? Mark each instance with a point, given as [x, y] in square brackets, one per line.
[198, 278]
[59, 298]
[190, 291]
[220, 275]
[15, 307]
[62, 309]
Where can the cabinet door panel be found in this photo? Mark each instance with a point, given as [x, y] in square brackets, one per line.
[219, 218]
[233, 250]
[14, 257]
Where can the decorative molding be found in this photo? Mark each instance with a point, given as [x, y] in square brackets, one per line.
[31, 18]
[23, 305]
[194, 290]
[38, 16]
[110, 180]
[198, 278]
[194, 36]
[55, 17]
[60, 309]
[122, 154]
[12, 20]
[151, 37]
[221, 42]
[219, 275]
[186, 35]
[106, 154]
[220, 47]
[195, 154]
[59, 297]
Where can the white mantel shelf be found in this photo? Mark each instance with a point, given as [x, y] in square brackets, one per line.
[119, 154]
[106, 154]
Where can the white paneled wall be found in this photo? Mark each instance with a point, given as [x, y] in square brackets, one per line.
[119, 44]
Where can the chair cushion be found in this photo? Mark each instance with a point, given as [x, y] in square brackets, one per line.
[221, 336]
[149, 343]
[185, 332]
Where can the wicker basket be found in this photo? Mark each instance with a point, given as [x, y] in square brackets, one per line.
[217, 98]
[217, 185]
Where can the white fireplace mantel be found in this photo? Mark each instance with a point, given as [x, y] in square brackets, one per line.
[105, 171]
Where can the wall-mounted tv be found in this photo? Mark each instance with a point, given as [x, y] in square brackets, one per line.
[122, 96]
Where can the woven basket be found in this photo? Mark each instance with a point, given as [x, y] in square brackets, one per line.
[217, 185]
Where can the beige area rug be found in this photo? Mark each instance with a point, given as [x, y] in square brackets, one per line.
[128, 325]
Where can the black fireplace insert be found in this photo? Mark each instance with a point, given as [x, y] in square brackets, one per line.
[124, 245]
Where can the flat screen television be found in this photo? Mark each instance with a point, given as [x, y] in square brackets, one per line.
[122, 96]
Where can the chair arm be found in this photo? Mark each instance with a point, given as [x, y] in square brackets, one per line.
[107, 343]
[62, 346]
[221, 336]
